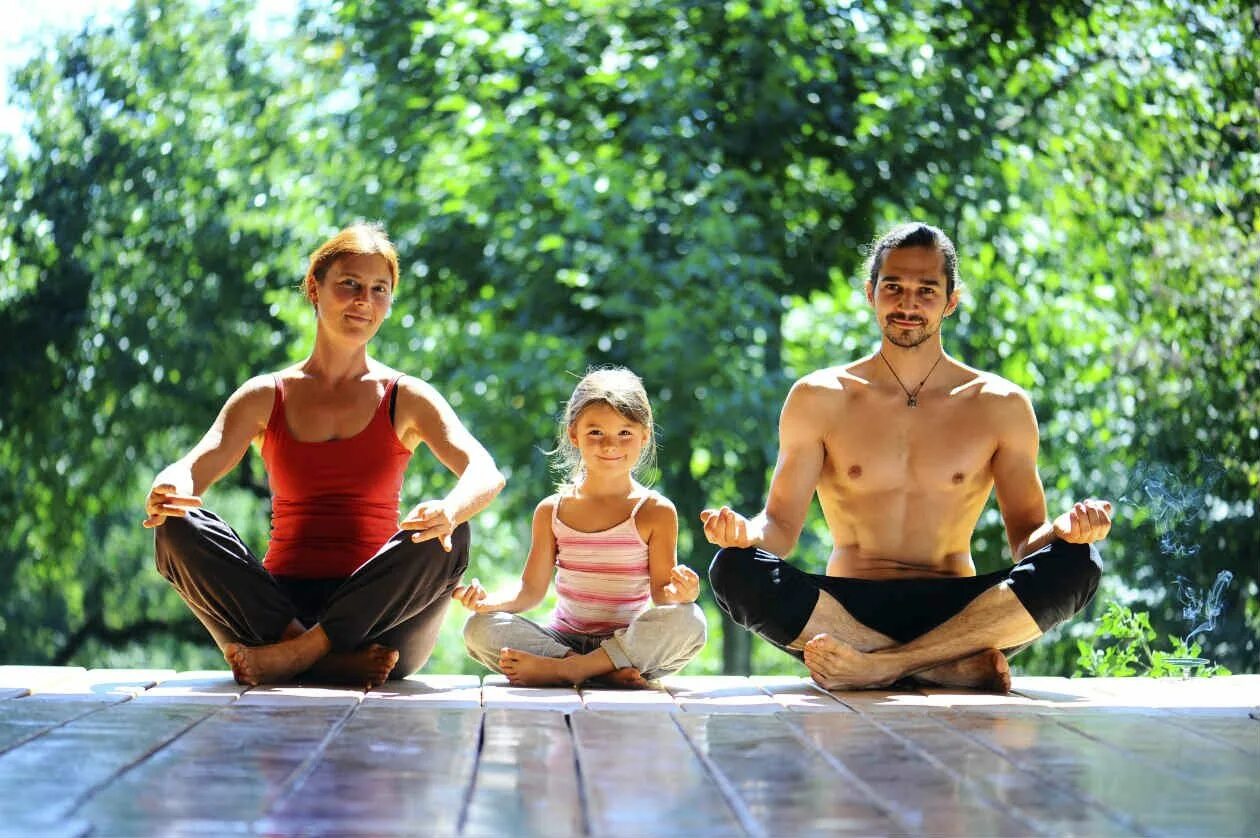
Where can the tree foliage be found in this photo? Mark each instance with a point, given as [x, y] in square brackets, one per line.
[681, 187]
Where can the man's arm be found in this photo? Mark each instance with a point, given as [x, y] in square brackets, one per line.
[1020, 495]
[796, 473]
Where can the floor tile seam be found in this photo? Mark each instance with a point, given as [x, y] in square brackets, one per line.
[1167, 769]
[584, 807]
[45, 731]
[86, 797]
[1212, 737]
[1122, 819]
[738, 808]
[302, 772]
[975, 785]
[465, 805]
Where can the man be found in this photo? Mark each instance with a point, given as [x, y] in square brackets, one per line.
[903, 448]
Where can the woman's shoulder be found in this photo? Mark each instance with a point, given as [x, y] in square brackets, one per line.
[256, 392]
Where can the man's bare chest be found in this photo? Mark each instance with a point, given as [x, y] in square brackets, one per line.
[912, 449]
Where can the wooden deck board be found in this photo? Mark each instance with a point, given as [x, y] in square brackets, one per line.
[1150, 798]
[526, 781]
[777, 785]
[114, 752]
[390, 770]
[641, 777]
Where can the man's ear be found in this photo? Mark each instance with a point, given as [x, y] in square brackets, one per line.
[312, 290]
[870, 292]
[954, 299]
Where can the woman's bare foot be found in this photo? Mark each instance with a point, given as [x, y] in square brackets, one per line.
[986, 670]
[276, 662]
[836, 665]
[369, 666]
[525, 670]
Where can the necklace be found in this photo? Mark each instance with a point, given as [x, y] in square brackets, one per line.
[912, 399]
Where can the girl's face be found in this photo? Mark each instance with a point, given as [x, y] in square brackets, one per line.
[607, 441]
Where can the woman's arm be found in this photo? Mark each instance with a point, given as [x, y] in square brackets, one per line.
[423, 416]
[242, 419]
[535, 578]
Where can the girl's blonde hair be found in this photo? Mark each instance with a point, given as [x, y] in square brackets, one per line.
[623, 391]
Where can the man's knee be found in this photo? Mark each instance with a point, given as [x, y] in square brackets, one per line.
[1058, 581]
[732, 574]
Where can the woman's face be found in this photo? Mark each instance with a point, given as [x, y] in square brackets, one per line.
[354, 297]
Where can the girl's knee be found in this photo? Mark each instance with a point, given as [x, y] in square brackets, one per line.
[685, 621]
[483, 632]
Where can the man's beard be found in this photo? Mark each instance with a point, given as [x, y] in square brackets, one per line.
[907, 338]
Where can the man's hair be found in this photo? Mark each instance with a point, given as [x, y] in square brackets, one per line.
[359, 239]
[914, 234]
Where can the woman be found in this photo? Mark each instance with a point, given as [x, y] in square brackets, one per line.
[346, 592]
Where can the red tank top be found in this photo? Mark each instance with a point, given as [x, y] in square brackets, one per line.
[333, 503]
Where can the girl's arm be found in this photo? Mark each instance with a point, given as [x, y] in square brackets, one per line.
[424, 416]
[242, 419]
[672, 583]
[535, 578]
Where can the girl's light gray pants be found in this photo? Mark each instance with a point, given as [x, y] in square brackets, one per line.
[659, 642]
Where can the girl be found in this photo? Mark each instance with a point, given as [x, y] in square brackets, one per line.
[612, 544]
[347, 592]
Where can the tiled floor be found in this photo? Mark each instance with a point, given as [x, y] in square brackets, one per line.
[138, 753]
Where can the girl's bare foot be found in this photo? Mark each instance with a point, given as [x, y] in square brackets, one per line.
[369, 666]
[525, 670]
[626, 678]
[835, 665]
[986, 670]
[276, 662]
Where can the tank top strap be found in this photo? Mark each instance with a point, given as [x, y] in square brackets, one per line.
[277, 403]
[555, 510]
[639, 505]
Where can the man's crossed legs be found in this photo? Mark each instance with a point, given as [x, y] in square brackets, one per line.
[856, 633]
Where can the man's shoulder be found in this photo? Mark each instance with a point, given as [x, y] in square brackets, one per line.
[830, 382]
[996, 395]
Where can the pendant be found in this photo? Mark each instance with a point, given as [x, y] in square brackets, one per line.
[912, 401]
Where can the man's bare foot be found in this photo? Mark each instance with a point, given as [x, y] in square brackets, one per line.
[363, 667]
[986, 670]
[626, 678]
[525, 670]
[836, 665]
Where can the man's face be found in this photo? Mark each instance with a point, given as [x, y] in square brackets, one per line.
[909, 295]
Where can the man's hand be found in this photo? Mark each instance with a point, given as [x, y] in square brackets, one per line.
[164, 501]
[1086, 522]
[684, 585]
[471, 596]
[430, 519]
[726, 528]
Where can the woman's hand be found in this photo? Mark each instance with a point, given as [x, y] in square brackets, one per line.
[684, 585]
[164, 501]
[471, 596]
[430, 519]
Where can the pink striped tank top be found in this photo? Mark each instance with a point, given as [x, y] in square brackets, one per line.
[602, 578]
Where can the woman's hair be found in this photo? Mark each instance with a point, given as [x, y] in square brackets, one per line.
[362, 238]
[620, 389]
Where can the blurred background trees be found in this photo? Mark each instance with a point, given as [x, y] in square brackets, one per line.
[681, 187]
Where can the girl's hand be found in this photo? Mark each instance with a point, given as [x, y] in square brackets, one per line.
[430, 519]
[470, 596]
[164, 501]
[684, 585]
